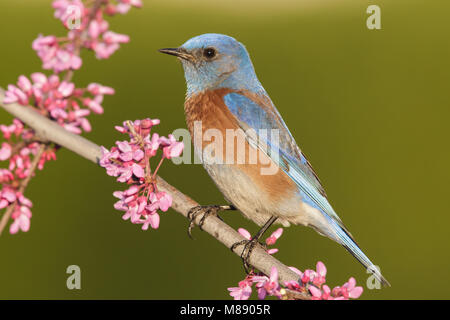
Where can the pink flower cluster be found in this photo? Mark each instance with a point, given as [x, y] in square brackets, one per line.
[311, 282]
[56, 97]
[264, 286]
[59, 100]
[20, 150]
[314, 282]
[129, 161]
[20, 153]
[87, 28]
[21, 214]
[54, 56]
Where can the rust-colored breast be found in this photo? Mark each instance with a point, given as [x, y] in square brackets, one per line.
[210, 109]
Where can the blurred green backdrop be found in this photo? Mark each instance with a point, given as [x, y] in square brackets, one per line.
[369, 108]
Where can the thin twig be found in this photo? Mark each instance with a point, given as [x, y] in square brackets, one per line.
[49, 130]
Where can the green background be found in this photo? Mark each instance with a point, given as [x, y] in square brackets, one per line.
[370, 108]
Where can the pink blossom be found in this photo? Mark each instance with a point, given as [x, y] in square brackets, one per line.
[171, 147]
[125, 174]
[143, 127]
[7, 197]
[21, 222]
[108, 155]
[66, 89]
[39, 79]
[243, 291]
[23, 200]
[348, 290]
[245, 233]
[94, 104]
[308, 275]
[109, 43]
[138, 171]
[44, 42]
[62, 60]
[135, 208]
[84, 124]
[296, 271]
[15, 128]
[5, 151]
[152, 220]
[104, 51]
[124, 146]
[128, 160]
[46, 156]
[320, 274]
[98, 89]
[160, 201]
[55, 57]
[8, 194]
[5, 176]
[25, 85]
[315, 292]
[268, 285]
[326, 293]
[152, 144]
[274, 236]
[71, 127]
[124, 6]
[112, 37]
[14, 94]
[316, 277]
[94, 29]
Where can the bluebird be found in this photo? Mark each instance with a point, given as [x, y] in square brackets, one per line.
[224, 95]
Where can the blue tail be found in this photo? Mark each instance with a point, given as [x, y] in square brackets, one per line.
[347, 241]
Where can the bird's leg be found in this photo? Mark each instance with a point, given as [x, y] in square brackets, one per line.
[249, 245]
[206, 211]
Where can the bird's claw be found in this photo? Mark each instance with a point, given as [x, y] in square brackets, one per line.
[206, 211]
[249, 245]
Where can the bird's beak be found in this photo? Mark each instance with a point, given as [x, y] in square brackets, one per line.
[178, 52]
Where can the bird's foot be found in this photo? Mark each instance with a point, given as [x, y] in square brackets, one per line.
[206, 211]
[249, 245]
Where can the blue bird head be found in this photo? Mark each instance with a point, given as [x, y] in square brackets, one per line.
[212, 61]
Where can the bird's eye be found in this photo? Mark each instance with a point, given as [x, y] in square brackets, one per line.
[209, 53]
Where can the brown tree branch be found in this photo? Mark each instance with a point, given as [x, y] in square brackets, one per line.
[47, 129]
